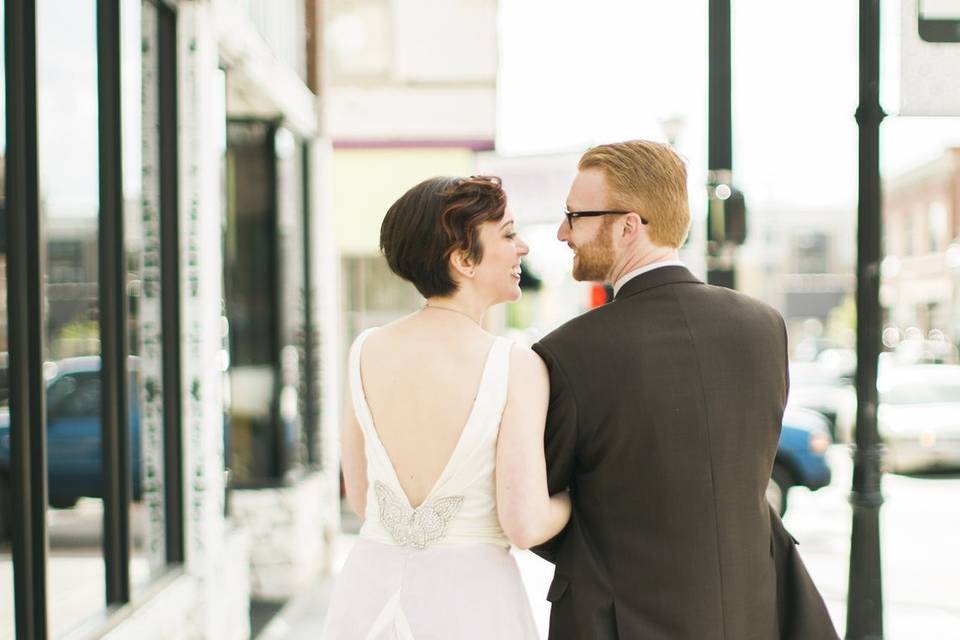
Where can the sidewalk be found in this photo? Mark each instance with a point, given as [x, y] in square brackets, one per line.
[919, 521]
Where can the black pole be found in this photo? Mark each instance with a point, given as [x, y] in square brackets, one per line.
[117, 476]
[25, 323]
[170, 281]
[720, 269]
[310, 418]
[720, 119]
[864, 598]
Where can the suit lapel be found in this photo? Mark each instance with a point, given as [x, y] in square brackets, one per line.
[656, 278]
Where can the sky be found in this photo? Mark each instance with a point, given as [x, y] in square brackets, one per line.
[578, 72]
[67, 103]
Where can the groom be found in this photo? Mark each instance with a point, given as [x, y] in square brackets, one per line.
[664, 418]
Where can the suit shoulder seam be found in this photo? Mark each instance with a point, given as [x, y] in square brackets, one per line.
[713, 482]
[566, 380]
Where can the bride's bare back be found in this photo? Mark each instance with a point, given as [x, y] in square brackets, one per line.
[420, 377]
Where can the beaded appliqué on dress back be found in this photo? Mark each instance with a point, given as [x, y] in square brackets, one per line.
[415, 527]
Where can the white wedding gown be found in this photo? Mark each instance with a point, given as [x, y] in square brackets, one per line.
[442, 571]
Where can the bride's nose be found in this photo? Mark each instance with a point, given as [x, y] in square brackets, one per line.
[522, 248]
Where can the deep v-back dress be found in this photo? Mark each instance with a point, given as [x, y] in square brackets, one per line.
[441, 570]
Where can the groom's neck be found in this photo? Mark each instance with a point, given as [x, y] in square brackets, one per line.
[640, 259]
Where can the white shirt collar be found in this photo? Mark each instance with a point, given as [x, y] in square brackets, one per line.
[636, 272]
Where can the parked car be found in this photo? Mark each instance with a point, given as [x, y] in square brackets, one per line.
[74, 458]
[919, 416]
[4, 379]
[827, 389]
[804, 438]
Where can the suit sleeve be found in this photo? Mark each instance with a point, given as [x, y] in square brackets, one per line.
[560, 439]
[786, 362]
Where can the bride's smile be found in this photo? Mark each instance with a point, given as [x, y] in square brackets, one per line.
[497, 276]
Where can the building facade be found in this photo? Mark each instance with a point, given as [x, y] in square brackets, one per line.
[171, 335]
[921, 272]
[397, 113]
[803, 263]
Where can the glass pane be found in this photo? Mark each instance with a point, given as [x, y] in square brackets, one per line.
[67, 75]
[141, 187]
[292, 303]
[6, 561]
[250, 277]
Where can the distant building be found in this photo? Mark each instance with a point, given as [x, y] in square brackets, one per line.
[921, 239]
[802, 262]
[398, 113]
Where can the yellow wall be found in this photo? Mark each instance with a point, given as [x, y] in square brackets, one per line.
[367, 181]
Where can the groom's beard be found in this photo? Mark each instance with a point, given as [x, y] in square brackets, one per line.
[594, 259]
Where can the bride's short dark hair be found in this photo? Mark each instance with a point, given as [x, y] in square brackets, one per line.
[432, 220]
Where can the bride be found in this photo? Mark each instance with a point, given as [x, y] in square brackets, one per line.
[443, 451]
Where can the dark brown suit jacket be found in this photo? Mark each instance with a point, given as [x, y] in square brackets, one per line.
[664, 418]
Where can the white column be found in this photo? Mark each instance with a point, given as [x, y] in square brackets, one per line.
[150, 348]
[202, 122]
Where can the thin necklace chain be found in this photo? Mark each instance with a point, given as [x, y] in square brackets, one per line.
[464, 314]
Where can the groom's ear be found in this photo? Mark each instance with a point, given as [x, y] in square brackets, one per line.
[632, 228]
[462, 264]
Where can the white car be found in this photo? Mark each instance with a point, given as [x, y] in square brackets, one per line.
[816, 386]
[919, 417]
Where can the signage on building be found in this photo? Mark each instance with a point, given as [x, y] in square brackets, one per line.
[930, 58]
[939, 20]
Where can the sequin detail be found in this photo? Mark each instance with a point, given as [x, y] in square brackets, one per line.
[415, 527]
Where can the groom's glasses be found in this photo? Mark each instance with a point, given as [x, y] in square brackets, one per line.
[592, 214]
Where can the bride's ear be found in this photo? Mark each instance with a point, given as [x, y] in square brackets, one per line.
[461, 263]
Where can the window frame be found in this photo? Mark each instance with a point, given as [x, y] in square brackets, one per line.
[25, 278]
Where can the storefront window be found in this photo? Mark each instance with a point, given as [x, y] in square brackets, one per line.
[265, 300]
[67, 75]
[252, 292]
[6, 559]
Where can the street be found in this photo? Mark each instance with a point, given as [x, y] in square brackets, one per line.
[919, 521]
[75, 571]
[921, 562]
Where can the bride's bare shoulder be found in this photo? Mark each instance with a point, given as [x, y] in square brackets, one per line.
[526, 366]
[393, 331]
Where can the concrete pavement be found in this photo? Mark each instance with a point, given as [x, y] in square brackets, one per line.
[921, 560]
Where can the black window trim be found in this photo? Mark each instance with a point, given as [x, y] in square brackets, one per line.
[25, 277]
[28, 450]
[114, 350]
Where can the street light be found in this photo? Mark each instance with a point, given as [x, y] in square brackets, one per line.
[671, 126]
[865, 593]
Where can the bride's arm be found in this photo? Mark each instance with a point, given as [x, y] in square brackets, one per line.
[353, 460]
[528, 514]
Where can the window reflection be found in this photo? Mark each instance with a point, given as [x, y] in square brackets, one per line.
[252, 296]
[264, 246]
[6, 562]
[67, 75]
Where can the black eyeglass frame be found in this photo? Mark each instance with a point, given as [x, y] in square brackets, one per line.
[593, 214]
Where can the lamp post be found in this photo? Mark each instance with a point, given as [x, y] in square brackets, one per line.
[864, 596]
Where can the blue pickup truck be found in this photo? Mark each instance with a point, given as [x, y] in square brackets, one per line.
[74, 462]
[74, 459]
